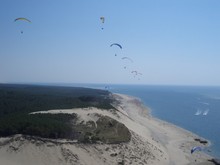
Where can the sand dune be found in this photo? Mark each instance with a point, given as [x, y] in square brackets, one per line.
[153, 142]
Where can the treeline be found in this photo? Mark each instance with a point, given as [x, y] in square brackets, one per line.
[43, 125]
[30, 98]
[17, 101]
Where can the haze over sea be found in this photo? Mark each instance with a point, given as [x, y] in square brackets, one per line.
[194, 108]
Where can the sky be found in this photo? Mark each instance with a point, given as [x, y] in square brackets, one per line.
[172, 42]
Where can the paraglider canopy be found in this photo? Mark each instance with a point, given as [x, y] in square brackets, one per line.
[127, 58]
[134, 71]
[116, 45]
[197, 148]
[22, 19]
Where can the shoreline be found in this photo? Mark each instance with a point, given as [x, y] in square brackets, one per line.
[146, 111]
[157, 126]
[174, 125]
[153, 141]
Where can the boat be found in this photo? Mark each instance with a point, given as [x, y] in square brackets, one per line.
[198, 112]
[206, 112]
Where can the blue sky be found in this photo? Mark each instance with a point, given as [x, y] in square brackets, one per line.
[171, 42]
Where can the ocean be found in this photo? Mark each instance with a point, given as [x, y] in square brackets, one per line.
[196, 109]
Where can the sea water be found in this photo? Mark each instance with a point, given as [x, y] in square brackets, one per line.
[196, 109]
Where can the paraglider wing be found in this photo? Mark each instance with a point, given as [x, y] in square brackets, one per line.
[197, 148]
[22, 19]
[135, 72]
[116, 45]
[127, 58]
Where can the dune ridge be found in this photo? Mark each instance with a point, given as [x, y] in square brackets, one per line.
[153, 141]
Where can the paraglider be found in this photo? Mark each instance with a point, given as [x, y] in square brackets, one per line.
[22, 19]
[116, 44]
[126, 59]
[107, 88]
[102, 21]
[197, 148]
[136, 73]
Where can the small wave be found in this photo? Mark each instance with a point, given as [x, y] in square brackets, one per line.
[205, 103]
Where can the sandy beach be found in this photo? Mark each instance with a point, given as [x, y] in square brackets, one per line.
[153, 142]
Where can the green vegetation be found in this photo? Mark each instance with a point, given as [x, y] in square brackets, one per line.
[108, 130]
[43, 125]
[111, 131]
[30, 98]
[17, 101]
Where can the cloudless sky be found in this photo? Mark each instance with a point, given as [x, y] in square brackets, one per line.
[175, 42]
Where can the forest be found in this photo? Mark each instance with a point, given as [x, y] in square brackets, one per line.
[17, 101]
